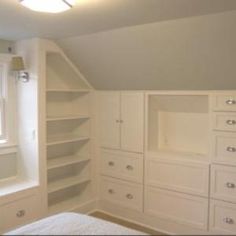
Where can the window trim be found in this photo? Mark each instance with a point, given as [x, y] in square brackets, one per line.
[7, 103]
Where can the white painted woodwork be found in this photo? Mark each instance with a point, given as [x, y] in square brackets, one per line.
[222, 218]
[224, 148]
[182, 176]
[122, 193]
[132, 121]
[122, 120]
[180, 208]
[224, 102]
[19, 212]
[177, 122]
[122, 165]
[223, 183]
[224, 121]
[110, 119]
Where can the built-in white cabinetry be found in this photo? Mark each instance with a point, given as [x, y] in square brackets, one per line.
[121, 116]
[68, 131]
[223, 170]
[177, 159]
[122, 120]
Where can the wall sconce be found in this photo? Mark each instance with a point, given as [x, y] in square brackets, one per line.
[19, 67]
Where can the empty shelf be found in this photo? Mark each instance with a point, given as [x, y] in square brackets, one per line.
[68, 90]
[65, 183]
[65, 161]
[67, 138]
[70, 117]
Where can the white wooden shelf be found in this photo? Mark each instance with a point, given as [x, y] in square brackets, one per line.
[65, 161]
[65, 183]
[67, 138]
[68, 90]
[69, 117]
[69, 204]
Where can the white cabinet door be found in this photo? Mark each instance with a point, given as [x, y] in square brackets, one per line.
[132, 121]
[110, 119]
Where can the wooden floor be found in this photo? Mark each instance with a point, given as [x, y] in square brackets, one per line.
[127, 224]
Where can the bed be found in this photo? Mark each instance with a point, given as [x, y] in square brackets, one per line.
[73, 224]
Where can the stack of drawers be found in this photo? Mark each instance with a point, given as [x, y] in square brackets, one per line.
[122, 178]
[223, 169]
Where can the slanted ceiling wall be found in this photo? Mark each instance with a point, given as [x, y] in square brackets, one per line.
[191, 53]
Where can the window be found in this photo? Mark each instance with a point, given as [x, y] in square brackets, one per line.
[7, 105]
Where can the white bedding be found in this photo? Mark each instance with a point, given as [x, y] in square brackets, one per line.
[73, 224]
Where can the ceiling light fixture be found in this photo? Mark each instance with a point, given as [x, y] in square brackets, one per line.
[50, 6]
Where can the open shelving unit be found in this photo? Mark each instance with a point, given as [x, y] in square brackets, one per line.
[178, 126]
[68, 125]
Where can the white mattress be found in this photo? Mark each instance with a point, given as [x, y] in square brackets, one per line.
[73, 224]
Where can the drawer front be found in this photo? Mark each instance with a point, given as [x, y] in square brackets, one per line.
[224, 148]
[123, 165]
[224, 103]
[224, 122]
[222, 217]
[19, 212]
[122, 193]
[180, 208]
[223, 184]
[179, 176]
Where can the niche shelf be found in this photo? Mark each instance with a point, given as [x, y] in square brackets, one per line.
[178, 127]
[68, 144]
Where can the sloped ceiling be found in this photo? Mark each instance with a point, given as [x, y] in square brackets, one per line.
[90, 16]
[192, 53]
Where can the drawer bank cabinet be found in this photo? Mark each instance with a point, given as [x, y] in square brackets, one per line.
[123, 193]
[19, 212]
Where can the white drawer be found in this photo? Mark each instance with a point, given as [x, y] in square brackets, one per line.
[223, 185]
[222, 217]
[178, 175]
[19, 212]
[122, 193]
[224, 103]
[127, 166]
[224, 121]
[177, 207]
[224, 148]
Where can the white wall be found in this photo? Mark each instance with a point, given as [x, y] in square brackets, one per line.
[4, 45]
[191, 53]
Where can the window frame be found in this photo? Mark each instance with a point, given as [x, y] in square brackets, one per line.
[7, 102]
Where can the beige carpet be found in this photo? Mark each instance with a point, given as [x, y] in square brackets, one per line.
[127, 224]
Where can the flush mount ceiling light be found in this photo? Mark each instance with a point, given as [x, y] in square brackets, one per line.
[50, 6]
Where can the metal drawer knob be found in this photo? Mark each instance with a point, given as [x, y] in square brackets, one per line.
[20, 213]
[230, 185]
[231, 149]
[111, 163]
[129, 196]
[231, 102]
[228, 220]
[129, 167]
[111, 191]
[231, 122]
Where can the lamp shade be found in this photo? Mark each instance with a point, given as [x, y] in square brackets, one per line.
[17, 64]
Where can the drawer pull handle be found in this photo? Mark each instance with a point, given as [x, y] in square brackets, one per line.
[231, 122]
[111, 191]
[129, 167]
[129, 196]
[231, 102]
[117, 121]
[228, 220]
[231, 149]
[111, 163]
[20, 213]
[230, 185]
